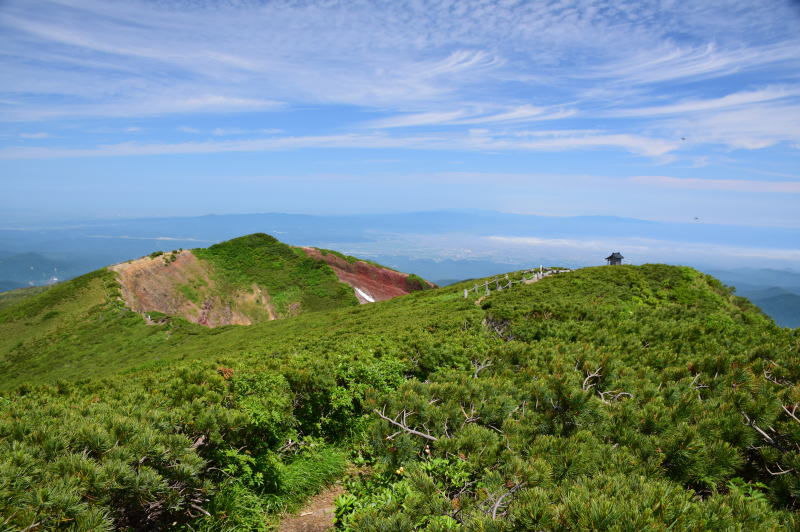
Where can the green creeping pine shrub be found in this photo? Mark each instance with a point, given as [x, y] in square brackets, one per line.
[624, 398]
[158, 450]
[266, 400]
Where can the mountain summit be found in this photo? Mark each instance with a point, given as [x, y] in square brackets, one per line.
[254, 278]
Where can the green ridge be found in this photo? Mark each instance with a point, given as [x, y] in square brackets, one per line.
[295, 282]
[14, 296]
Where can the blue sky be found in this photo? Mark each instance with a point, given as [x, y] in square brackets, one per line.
[656, 110]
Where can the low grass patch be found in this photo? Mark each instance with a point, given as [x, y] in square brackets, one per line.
[13, 297]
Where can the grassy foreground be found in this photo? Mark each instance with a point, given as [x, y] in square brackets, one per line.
[624, 398]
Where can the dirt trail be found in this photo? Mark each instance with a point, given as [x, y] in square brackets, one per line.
[180, 284]
[317, 515]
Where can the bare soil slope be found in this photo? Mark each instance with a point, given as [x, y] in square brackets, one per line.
[370, 282]
[179, 284]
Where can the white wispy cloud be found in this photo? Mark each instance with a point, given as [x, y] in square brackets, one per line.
[476, 140]
[156, 238]
[604, 74]
[522, 113]
[668, 62]
[711, 104]
[558, 141]
[418, 119]
[228, 131]
[748, 127]
[234, 55]
[727, 185]
[650, 250]
[39, 135]
[517, 114]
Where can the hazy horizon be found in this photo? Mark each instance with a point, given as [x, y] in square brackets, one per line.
[430, 235]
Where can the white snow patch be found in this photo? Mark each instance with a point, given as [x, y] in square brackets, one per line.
[364, 294]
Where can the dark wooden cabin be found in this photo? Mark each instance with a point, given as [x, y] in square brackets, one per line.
[615, 259]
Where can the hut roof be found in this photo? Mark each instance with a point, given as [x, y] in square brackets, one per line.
[615, 255]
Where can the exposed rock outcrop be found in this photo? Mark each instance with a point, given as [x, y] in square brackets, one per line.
[370, 282]
[178, 284]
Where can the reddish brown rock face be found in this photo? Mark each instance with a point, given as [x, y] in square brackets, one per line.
[370, 283]
[155, 284]
[180, 284]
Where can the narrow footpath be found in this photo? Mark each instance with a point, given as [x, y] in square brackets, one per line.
[317, 515]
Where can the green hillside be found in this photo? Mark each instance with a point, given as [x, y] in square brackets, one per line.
[82, 327]
[291, 278]
[614, 398]
[16, 295]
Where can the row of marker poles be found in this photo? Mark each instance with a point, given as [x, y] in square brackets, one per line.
[496, 280]
[497, 284]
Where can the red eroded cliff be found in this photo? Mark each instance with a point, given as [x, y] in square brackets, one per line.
[370, 282]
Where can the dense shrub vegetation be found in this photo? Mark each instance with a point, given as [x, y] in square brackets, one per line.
[160, 451]
[636, 398]
[625, 398]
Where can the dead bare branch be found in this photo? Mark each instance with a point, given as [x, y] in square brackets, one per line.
[288, 446]
[792, 412]
[767, 438]
[480, 366]
[401, 421]
[471, 417]
[199, 509]
[595, 374]
[752, 423]
[781, 471]
[616, 395]
[774, 380]
[500, 499]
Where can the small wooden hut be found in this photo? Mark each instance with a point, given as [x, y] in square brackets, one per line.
[615, 259]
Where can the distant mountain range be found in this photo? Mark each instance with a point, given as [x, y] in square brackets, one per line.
[19, 270]
[443, 246]
[776, 292]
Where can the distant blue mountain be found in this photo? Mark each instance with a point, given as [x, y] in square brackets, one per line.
[32, 254]
[5, 286]
[776, 292]
[296, 228]
[25, 269]
[783, 308]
